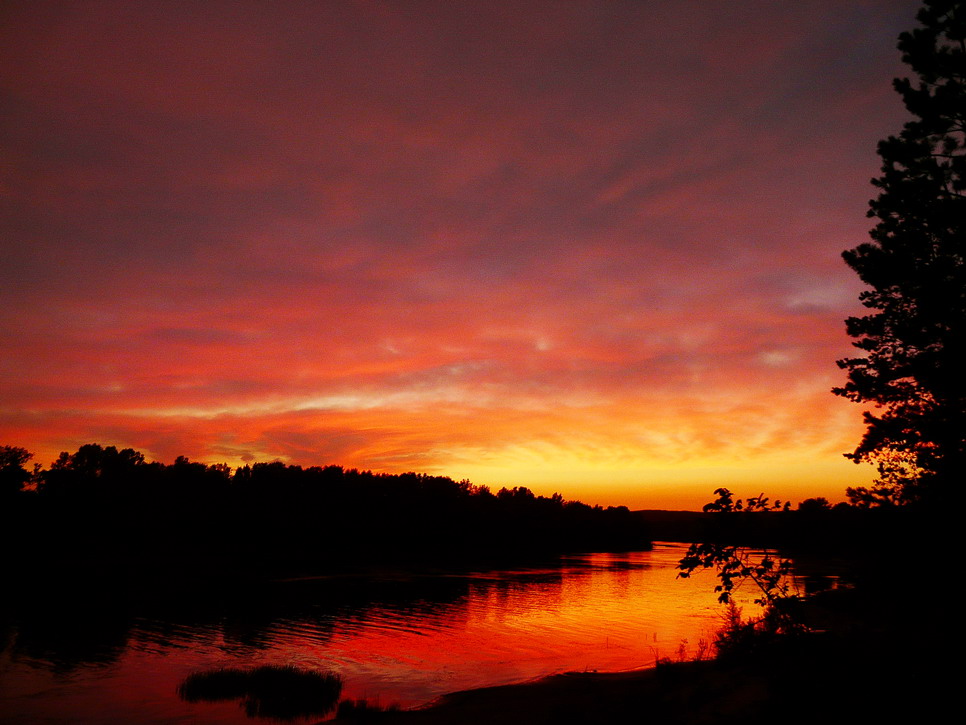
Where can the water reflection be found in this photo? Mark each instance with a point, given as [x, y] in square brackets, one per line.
[119, 653]
[64, 632]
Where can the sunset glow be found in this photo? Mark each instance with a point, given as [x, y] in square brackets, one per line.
[582, 247]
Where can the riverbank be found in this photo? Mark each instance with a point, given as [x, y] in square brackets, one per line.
[861, 669]
[565, 698]
[854, 688]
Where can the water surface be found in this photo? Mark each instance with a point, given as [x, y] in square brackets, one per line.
[395, 638]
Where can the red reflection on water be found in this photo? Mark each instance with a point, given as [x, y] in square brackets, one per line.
[604, 612]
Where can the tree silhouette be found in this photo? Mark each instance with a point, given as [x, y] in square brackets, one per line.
[13, 475]
[915, 336]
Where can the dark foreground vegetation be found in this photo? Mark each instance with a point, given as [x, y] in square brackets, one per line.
[107, 505]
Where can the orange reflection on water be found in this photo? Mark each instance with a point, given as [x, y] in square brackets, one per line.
[604, 612]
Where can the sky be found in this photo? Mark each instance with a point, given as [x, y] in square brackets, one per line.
[585, 247]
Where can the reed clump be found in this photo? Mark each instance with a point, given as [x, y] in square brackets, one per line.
[283, 692]
[362, 710]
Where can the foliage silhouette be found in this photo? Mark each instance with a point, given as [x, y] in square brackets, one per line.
[13, 475]
[914, 340]
[735, 565]
[814, 505]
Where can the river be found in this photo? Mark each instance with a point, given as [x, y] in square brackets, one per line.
[394, 638]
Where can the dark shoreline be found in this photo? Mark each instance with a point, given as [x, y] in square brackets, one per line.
[861, 663]
[837, 684]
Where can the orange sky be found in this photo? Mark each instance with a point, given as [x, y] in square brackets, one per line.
[584, 247]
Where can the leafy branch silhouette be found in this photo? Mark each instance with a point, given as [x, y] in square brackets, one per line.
[734, 564]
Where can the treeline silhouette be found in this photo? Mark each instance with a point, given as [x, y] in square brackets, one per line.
[876, 547]
[813, 526]
[101, 504]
